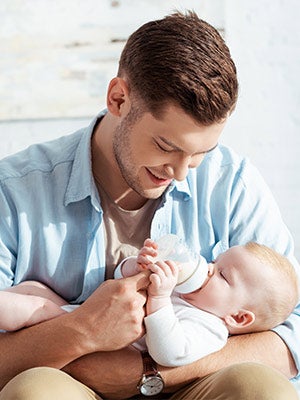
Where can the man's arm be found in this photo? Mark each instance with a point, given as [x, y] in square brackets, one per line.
[110, 319]
[116, 374]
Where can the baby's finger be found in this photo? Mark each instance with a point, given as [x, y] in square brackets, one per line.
[157, 270]
[168, 268]
[148, 251]
[174, 268]
[141, 259]
[150, 243]
[155, 280]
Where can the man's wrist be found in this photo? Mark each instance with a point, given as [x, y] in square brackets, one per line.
[151, 382]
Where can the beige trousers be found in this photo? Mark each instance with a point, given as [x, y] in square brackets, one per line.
[246, 381]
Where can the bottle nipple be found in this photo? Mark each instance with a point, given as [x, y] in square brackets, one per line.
[194, 268]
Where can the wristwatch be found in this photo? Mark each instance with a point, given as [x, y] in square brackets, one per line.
[151, 382]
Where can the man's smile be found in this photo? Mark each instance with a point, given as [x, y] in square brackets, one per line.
[158, 180]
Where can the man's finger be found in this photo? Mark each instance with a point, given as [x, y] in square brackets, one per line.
[140, 280]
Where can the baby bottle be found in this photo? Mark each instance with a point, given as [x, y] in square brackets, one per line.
[194, 268]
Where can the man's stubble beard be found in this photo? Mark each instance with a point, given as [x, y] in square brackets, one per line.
[124, 159]
[123, 153]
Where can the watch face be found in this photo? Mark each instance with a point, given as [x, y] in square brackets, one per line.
[152, 385]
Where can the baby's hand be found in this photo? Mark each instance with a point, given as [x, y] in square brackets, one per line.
[147, 254]
[163, 278]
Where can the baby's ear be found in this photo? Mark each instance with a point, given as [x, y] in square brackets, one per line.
[240, 320]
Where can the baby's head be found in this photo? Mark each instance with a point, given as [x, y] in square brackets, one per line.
[277, 290]
[252, 288]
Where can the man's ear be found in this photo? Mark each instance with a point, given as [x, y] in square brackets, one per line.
[240, 320]
[117, 96]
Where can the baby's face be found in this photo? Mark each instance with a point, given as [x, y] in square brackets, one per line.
[237, 280]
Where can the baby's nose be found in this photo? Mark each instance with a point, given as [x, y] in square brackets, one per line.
[211, 269]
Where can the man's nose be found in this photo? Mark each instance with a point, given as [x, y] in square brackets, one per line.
[180, 167]
[183, 163]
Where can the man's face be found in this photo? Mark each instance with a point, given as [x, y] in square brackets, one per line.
[151, 152]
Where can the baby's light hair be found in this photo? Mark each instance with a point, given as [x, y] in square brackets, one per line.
[281, 295]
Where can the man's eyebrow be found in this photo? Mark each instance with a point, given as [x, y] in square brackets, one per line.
[176, 148]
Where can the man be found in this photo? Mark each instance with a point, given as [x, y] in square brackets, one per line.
[149, 165]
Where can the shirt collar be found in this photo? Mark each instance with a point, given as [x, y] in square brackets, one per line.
[182, 187]
[81, 183]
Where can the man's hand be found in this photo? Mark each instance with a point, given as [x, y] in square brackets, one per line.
[112, 317]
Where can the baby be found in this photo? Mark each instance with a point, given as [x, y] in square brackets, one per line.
[248, 288]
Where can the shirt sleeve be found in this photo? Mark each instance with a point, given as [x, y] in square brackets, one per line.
[175, 340]
[289, 333]
[8, 242]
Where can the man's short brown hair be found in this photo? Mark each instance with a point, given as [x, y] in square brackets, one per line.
[181, 60]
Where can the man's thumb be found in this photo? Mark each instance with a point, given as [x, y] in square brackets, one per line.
[141, 280]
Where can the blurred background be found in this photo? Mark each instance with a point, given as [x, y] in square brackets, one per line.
[57, 58]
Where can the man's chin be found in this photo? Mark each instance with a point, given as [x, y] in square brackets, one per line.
[153, 194]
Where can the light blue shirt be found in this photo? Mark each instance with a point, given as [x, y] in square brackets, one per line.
[51, 218]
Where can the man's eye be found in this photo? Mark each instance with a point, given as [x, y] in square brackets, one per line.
[163, 148]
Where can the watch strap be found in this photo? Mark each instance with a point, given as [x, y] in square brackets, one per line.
[151, 382]
[150, 366]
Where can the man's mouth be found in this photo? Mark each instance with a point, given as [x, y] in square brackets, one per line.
[157, 179]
